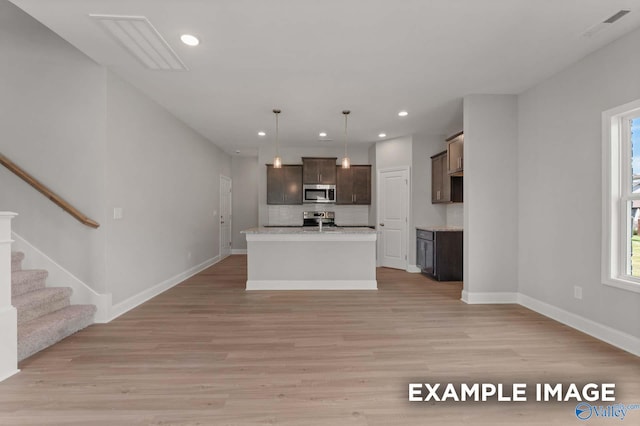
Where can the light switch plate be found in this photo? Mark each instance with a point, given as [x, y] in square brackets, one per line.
[577, 292]
[117, 213]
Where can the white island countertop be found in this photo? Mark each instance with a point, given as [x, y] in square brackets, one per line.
[326, 230]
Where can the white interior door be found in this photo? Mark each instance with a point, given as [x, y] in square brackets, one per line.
[393, 205]
[225, 216]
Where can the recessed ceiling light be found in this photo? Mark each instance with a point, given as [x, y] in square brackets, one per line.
[323, 134]
[262, 134]
[189, 40]
[382, 135]
[403, 113]
[237, 152]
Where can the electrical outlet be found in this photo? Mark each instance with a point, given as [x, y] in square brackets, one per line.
[117, 213]
[577, 292]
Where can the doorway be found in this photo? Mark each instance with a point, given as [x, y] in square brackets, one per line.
[393, 217]
[225, 216]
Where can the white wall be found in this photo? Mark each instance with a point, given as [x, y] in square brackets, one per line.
[166, 177]
[101, 144]
[559, 186]
[52, 124]
[394, 153]
[490, 195]
[244, 173]
[455, 214]
[359, 154]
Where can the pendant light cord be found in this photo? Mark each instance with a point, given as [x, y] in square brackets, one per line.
[277, 112]
[346, 114]
[345, 135]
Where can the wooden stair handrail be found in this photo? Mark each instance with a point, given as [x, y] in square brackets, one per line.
[47, 192]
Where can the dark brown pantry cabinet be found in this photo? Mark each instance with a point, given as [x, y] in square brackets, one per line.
[284, 185]
[445, 188]
[439, 254]
[319, 170]
[353, 185]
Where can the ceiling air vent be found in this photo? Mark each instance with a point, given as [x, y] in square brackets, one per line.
[142, 40]
[602, 25]
[615, 17]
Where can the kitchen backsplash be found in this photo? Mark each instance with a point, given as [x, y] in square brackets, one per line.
[455, 214]
[292, 215]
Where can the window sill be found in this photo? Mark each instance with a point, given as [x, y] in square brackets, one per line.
[623, 284]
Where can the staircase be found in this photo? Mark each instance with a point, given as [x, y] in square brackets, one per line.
[45, 314]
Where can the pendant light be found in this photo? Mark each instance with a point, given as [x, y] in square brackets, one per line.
[346, 162]
[277, 161]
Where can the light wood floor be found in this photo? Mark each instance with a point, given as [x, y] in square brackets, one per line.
[208, 353]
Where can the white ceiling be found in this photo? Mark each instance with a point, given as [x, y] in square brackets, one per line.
[314, 58]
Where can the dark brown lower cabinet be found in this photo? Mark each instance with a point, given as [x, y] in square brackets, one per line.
[439, 254]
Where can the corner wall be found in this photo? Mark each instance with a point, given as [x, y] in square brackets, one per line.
[490, 198]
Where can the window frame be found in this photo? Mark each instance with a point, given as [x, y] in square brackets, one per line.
[617, 195]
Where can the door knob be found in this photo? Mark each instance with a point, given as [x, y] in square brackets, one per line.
[382, 224]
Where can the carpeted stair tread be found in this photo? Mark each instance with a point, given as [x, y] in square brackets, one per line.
[36, 303]
[44, 331]
[27, 280]
[16, 260]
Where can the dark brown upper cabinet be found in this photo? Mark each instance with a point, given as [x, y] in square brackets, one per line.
[455, 154]
[284, 185]
[353, 185]
[444, 187]
[319, 170]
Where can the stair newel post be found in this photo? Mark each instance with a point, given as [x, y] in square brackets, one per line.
[8, 315]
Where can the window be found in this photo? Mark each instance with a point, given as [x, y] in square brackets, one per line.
[621, 196]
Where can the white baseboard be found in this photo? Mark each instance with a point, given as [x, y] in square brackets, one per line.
[602, 332]
[312, 285]
[612, 336]
[413, 269]
[8, 374]
[489, 298]
[143, 296]
[60, 276]
[238, 251]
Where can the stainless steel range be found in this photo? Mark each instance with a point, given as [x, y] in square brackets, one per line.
[316, 218]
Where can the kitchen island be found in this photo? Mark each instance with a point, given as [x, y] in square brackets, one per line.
[308, 258]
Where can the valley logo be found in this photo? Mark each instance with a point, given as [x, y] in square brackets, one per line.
[588, 396]
[585, 411]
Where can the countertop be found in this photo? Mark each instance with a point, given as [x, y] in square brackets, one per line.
[441, 228]
[337, 226]
[309, 230]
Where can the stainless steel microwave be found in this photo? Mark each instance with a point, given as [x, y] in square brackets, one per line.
[319, 193]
